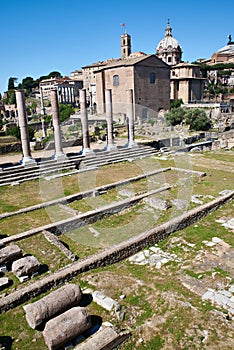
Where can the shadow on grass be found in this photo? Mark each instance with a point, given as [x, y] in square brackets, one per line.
[6, 342]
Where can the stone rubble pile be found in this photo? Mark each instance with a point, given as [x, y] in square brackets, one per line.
[222, 297]
[11, 258]
[229, 224]
[154, 256]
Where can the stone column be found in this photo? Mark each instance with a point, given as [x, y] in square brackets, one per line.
[130, 116]
[58, 155]
[109, 119]
[27, 159]
[84, 122]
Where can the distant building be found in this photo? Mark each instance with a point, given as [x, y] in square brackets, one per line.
[68, 89]
[225, 54]
[186, 81]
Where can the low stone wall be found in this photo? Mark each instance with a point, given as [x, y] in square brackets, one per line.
[80, 220]
[113, 254]
[10, 148]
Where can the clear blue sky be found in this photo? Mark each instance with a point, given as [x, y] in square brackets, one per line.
[40, 36]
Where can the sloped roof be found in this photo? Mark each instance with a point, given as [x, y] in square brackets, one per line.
[130, 61]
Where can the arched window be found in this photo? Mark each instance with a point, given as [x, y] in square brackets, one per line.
[116, 80]
[152, 78]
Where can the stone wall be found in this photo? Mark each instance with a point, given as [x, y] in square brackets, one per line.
[10, 148]
[112, 255]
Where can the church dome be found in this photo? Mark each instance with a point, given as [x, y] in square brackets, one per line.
[228, 49]
[168, 48]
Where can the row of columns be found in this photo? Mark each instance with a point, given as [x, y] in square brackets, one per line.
[27, 159]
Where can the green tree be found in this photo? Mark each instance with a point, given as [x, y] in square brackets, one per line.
[28, 84]
[65, 111]
[11, 83]
[197, 119]
[175, 116]
[15, 131]
[176, 103]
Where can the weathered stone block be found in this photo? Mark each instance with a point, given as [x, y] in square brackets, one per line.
[104, 301]
[52, 304]
[4, 282]
[10, 253]
[25, 266]
[66, 326]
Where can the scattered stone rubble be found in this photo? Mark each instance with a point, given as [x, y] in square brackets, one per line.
[10, 253]
[4, 282]
[229, 224]
[104, 301]
[199, 198]
[108, 304]
[154, 256]
[223, 298]
[158, 203]
[25, 266]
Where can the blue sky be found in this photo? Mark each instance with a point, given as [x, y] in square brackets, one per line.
[40, 36]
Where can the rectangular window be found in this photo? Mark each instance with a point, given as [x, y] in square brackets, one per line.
[116, 80]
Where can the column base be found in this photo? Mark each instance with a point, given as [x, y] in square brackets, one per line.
[60, 156]
[28, 162]
[111, 148]
[132, 145]
[87, 152]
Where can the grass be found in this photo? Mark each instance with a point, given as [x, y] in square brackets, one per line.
[159, 309]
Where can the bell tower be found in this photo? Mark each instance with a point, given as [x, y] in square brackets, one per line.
[125, 45]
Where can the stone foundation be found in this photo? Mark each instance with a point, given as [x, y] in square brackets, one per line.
[114, 254]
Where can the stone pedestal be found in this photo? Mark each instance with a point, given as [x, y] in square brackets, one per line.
[109, 119]
[130, 116]
[27, 159]
[58, 155]
[84, 122]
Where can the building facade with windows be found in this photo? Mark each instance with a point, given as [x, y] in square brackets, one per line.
[148, 77]
[68, 89]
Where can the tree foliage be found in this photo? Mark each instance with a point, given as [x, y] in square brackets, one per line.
[15, 131]
[11, 83]
[175, 116]
[196, 118]
[65, 111]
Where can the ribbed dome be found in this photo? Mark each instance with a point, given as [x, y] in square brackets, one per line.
[228, 49]
[169, 46]
[168, 43]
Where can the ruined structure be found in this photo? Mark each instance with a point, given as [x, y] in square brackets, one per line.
[53, 304]
[66, 326]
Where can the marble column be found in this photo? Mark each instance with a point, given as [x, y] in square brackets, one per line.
[130, 116]
[58, 155]
[84, 122]
[27, 159]
[109, 119]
